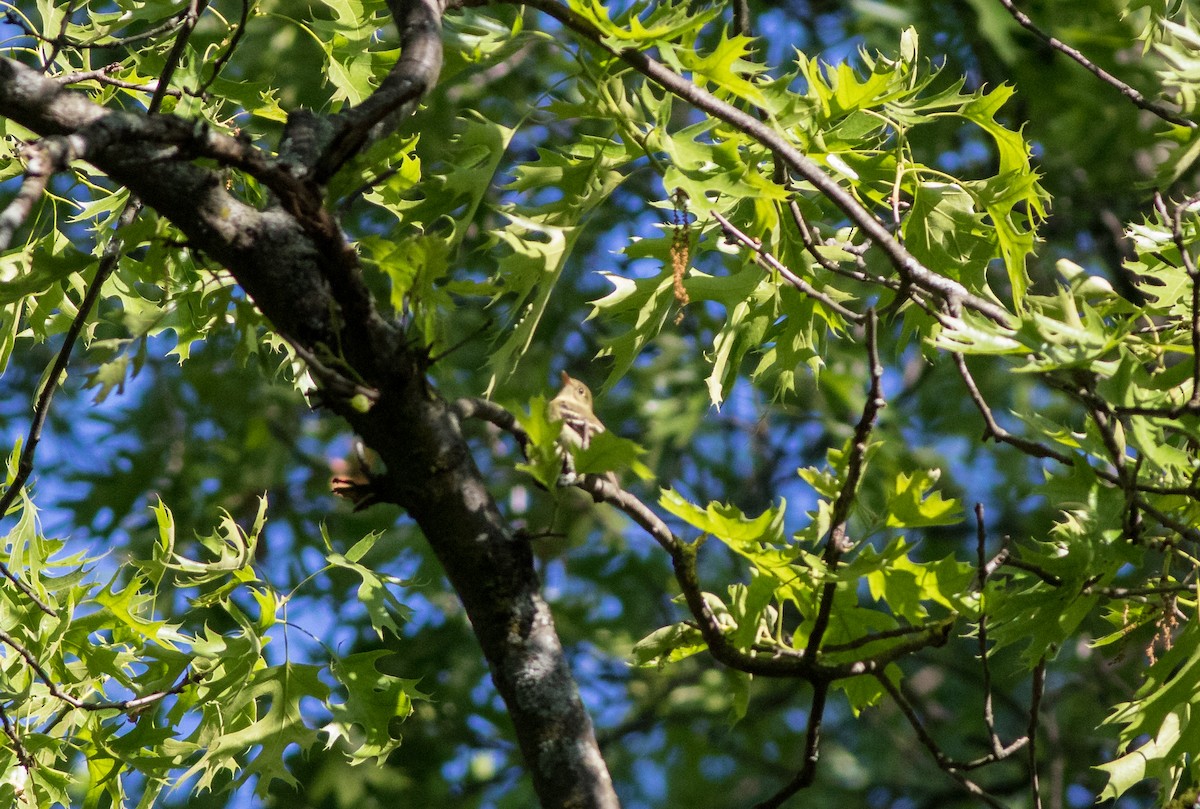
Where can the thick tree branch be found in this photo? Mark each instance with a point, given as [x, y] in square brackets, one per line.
[294, 263]
[415, 72]
[281, 267]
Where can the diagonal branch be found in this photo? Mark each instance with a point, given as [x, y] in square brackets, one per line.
[43, 160]
[909, 268]
[1134, 96]
[767, 258]
[413, 75]
[836, 543]
[293, 261]
[112, 252]
[812, 740]
[947, 766]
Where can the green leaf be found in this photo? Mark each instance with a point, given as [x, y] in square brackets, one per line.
[544, 460]
[907, 586]
[759, 539]
[374, 703]
[607, 451]
[382, 605]
[668, 645]
[1159, 714]
[912, 503]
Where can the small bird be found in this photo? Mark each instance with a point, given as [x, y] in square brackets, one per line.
[573, 407]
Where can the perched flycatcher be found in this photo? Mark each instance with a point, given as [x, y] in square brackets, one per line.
[573, 407]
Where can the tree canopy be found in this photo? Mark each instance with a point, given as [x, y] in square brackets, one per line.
[892, 311]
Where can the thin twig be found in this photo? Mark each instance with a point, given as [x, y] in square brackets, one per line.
[334, 380]
[56, 44]
[108, 262]
[1141, 592]
[1139, 100]
[220, 62]
[776, 662]
[874, 637]
[945, 764]
[1039, 687]
[1044, 575]
[103, 76]
[989, 715]
[812, 742]
[23, 757]
[85, 705]
[809, 240]
[100, 42]
[66, 79]
[188, 24]
[992, 428]
[600, 487]
[734, 234]
[836, 543]
[741, 17]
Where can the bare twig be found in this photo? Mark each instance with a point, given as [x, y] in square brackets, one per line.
[23, 756]
[1044, 575]
[219, 63]
[992, 428]
[767, 258]
[102, 75]
[1039, 687]
[1001, 557]
[809, 239]
[116, 42]
[836, 543]
[741, 17]
[775, 662]
[66, 79]
[1134, 96]
[56, 43]
[121, 705]
[875, 637]
[112, 252]
[989, 716]
[812, 741]
[602, 489]
[947, 765]
[334, 380]
[187, 24]
[1141, 592]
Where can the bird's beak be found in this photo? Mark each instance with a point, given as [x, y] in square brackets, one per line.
[566, 378]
